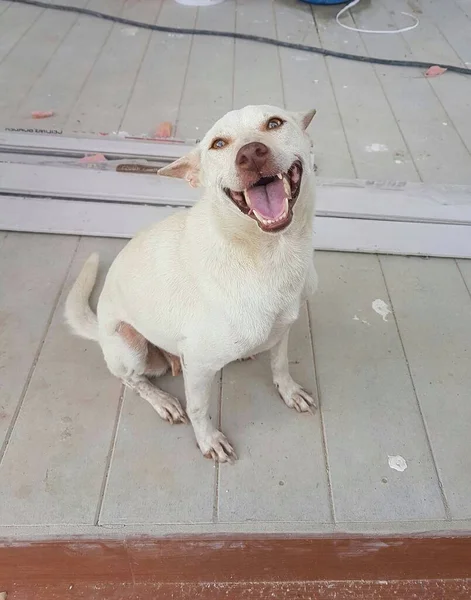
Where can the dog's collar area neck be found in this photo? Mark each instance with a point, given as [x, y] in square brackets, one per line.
[271, 199]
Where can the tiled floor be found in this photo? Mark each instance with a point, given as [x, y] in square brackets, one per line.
[373, 122]
[78, 454]
[81, 455]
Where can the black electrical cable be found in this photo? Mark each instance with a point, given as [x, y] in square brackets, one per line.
[243, 36]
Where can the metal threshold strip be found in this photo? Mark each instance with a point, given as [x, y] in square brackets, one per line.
[75, 147]
[44, 188]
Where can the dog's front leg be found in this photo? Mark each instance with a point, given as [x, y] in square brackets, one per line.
[294, 396]
[212, 443]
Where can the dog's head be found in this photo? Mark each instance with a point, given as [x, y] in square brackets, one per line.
[254, 158]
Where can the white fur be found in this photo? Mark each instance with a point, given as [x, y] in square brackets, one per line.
[207, 284]
[79, 315]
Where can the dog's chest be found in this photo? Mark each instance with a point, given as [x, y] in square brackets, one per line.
[265, 306]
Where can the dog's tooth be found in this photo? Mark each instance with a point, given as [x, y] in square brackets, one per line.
[280, 175]
[247, 199]
[287, 187]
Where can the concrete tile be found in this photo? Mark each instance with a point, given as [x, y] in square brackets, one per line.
[33, 268]
[433, 310]
[108, 88]
[424, 123]
[157, 473]
[160, 81]
[465, 269]
[16, 22]
[75, 59]
[54, 464]
[368, 402]
[307, 85]
[280, 474]
[257, 77]
[372, 132]
[201, 105]
[41, 42]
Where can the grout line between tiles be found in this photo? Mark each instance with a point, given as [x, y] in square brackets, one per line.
[327, 68]
[462, 277]
[48, 61]
[24, 34]
[386, 97]
[137, 524]
[234, 57]
[324, 434]
[280, 64]
[459, 59]
[32, 369]
[422, 416]
[5, 7]
[432, 84]
[217, 470]
[109, 457]
[138, 70]
[3, 238]
[93, 65]
[185, 78]
[460, 7]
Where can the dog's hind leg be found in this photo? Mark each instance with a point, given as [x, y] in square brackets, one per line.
[130, 357]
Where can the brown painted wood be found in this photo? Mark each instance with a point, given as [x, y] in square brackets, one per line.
[300, 559]
[230, 567]
[458, 589]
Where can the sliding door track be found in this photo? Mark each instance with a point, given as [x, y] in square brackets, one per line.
[46, 186]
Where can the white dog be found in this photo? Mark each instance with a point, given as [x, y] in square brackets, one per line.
[219, 282]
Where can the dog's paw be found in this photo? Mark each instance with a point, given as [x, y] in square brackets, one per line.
[169, 408]
[294, 396]
[217, 448]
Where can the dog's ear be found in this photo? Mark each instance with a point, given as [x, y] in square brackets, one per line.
[187, 167]
[304, 119]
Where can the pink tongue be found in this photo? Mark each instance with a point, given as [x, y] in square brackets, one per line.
[268, 200]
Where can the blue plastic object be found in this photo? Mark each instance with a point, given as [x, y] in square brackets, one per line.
[325, 1]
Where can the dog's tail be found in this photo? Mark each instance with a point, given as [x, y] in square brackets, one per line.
[78, 313]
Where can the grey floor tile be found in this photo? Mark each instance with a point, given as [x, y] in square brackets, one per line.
[201, 105]
[307, 85]
[465, 269]
[16, 22]
[54, 465]
[281, 472]
[20, 71]
[32, 271]
[257, 77]
[76, 57]
[368, 402]
[373, 135]
[108, 89]
[425, 123]
[433, 309]
[159, 84]
[157, 473]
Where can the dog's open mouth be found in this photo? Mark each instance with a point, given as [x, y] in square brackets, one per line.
[270, 200]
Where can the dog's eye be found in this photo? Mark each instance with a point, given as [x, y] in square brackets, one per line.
[274, 123]
[218, 144]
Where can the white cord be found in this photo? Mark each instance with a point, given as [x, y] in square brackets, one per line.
[354, 3]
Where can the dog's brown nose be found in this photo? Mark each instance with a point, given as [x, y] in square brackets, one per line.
[252, 157]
